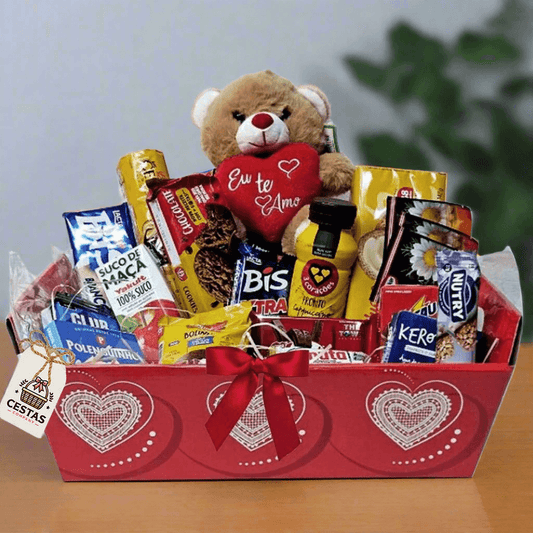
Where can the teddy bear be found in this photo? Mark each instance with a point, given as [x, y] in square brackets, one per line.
[267, 140]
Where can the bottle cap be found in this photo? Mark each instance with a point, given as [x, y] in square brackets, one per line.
[333, 211]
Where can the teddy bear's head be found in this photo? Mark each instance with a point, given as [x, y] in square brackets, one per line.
[258, 114]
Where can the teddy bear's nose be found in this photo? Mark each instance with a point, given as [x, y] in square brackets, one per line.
[262, 121]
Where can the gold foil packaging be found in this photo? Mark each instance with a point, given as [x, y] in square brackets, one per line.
[370, 189]
[133, 171]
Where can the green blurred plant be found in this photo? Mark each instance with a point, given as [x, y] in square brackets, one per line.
[498, 171]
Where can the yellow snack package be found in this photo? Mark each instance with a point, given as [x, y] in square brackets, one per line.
[370, 189]
[221, 327]
[133, 170]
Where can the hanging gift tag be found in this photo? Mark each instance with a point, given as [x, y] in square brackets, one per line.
[35, 388]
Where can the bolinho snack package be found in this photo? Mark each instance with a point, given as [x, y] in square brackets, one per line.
[370, 189]
[224, 326]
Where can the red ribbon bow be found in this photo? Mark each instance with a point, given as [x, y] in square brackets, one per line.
[229, 361]
[39, 384]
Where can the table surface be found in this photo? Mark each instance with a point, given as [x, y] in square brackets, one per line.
[499, 498]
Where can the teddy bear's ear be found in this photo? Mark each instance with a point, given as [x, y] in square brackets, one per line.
[317, 98]
[201, 105]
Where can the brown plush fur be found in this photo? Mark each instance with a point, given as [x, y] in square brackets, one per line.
[266, 91]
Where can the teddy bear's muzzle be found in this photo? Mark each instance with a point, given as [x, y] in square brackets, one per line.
[261, 133]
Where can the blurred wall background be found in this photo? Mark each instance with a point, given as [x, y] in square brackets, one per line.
[86, 82]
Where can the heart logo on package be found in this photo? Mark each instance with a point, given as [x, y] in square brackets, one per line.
[252, 430]
[265, 193]
[105, 419]
[409, 417]
[320, 274]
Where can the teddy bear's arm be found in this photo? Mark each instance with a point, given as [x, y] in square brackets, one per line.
[336, 173]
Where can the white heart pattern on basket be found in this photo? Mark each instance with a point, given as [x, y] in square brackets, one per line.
[409, 417]
[252, 430]
[106, 420]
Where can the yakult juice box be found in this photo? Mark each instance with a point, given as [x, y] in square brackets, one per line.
[139, 296]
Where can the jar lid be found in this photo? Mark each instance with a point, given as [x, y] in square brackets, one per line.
[333, 211]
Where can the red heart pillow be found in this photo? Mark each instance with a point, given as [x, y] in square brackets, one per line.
[265, 193]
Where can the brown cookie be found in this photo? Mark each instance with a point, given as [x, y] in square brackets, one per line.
[215, 270]
[219, 230]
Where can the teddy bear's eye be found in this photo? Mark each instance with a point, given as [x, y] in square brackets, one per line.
[239, 116]
[285, 114]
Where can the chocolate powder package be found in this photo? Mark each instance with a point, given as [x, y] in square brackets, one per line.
[458, 280]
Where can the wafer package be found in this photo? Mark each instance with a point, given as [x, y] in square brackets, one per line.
[370, 189]
[96, 237]
[458, 281]
[134, 171]
[263, 276]
[197, 237]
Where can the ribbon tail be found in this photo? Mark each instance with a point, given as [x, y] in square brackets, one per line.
[231, 407]
[279, 414]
